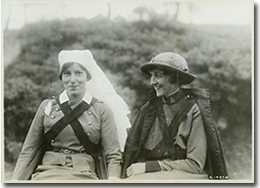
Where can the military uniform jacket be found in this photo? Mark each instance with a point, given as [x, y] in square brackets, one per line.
[98, 123]
[197, 134]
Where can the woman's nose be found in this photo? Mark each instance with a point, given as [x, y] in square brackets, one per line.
[152, 80]
[72, 79]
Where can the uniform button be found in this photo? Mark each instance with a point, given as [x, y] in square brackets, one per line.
[88, 134]
[172, 100]
[188, 96]
[89, 113]
[89, 123]
[57, 109]
[52, 117]
[52, 141]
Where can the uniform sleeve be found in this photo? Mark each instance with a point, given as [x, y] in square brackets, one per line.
[110, 142]
[196, 147]
[32, 139]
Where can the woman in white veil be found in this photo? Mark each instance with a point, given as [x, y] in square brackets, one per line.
[103, 124]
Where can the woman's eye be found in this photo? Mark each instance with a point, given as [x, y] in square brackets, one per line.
[79, 73]
[158, 75]
[66, 73]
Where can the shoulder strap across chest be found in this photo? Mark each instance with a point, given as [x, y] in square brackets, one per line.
[70, 117]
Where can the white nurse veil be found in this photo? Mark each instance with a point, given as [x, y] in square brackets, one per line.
[100, 87]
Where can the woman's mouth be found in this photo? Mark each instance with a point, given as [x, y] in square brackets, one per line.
[156, 87]
[73, 87]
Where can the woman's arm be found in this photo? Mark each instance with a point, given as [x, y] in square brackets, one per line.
[111, 146]
[33, 137]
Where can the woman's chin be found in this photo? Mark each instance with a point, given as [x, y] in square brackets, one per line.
[158, 94]
[74, 93]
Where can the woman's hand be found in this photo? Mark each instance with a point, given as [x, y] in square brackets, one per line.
[136, 168]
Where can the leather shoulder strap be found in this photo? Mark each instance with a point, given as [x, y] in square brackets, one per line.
[170, 132]
[184, 109]
[70, 116]
[89, 146]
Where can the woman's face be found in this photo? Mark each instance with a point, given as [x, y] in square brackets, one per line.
[161, 83]
[74, 79]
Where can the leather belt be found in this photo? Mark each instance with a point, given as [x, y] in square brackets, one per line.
[65, 151]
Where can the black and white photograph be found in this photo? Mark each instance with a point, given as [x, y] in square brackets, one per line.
[128, 91]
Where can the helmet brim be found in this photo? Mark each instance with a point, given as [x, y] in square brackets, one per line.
[185, 77]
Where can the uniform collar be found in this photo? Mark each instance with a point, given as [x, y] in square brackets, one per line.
[175, 97]
[64, 97]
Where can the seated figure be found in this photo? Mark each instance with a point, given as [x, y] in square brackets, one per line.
[173, 135]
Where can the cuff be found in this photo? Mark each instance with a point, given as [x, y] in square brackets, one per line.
[152, 166]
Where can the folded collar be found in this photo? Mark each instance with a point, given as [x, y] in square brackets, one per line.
[64, 97]
[175, 97]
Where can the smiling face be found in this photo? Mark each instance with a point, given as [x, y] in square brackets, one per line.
[161, 83]
[74, 79]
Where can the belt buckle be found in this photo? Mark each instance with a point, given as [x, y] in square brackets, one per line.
[66, 151]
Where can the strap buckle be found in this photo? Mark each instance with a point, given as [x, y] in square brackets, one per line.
[67, 151]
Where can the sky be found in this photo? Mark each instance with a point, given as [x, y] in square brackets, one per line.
[206, 11]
